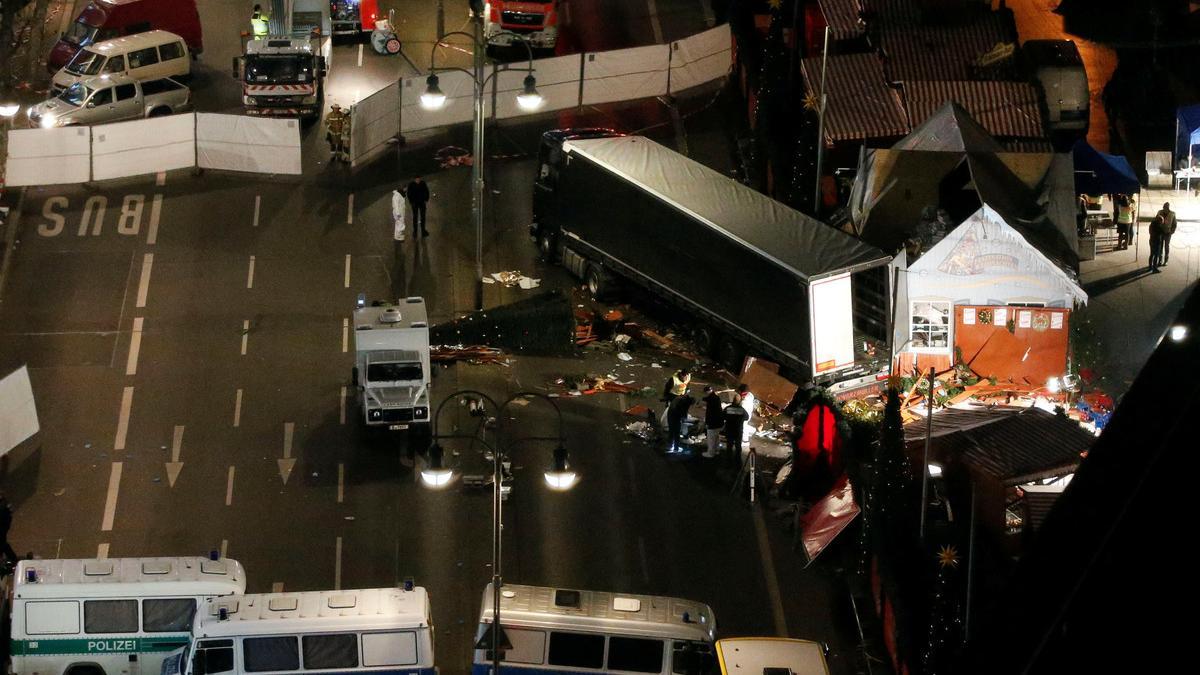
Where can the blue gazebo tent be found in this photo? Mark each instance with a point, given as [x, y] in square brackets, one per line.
[1098, 173]
[1187, 133]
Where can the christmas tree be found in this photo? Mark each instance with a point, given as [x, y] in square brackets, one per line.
[888, 481]
[945, 620]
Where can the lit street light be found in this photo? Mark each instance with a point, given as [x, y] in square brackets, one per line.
[434, 99]
[559, 477]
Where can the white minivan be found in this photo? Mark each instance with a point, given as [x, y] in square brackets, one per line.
[152, 55]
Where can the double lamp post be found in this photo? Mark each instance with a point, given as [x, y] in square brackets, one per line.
[434, 99]
[559, 477]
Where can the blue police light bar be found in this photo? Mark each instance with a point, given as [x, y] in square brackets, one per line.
[214, 555]
[222, 614]
[31, 575]
[362, 300]
[409, 583]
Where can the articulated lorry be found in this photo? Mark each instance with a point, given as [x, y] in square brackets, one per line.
[754, 276]
[391, 363]
[284, 74]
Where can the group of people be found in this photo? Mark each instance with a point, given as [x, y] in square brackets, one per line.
[1161, 228]
[416, 193]
[729, 422]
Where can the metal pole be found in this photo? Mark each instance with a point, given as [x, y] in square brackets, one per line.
[821, 128]
[925, 461]
[477, 164]
[441, 20]
[753, 474]
[970, 570]
[497, 515]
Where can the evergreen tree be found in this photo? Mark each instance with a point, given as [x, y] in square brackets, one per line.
[888, 481]
[945, 619]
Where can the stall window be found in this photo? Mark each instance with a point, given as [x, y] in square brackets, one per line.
[271, 654]
[528, 646]
[330, 651]
[168, 615]
[577, 650]
[635, 655]
[930, 325]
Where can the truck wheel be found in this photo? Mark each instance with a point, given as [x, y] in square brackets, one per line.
[598, 283]
[706, 341]
[85, 670]
[546, 247]
[730, 355]
[159, 112]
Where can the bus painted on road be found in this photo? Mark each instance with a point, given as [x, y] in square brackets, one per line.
[558, 630]
[118, 616]
[374, 630]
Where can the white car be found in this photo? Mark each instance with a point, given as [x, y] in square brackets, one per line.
[110, 98]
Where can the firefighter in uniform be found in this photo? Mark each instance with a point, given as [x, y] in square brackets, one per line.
[259, 21]
[337, 127]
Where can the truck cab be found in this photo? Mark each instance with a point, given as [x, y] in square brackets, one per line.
[391, 363]
[537, 22]
[550, 158]
[353, 17]
[281, 77]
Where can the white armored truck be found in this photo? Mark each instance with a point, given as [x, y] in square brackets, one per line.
[391, 363]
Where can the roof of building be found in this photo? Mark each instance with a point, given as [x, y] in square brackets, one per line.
[860, 103]
[916, 50]
[949, 129]
[844, 18]
[1013, 448]
[1006, 109]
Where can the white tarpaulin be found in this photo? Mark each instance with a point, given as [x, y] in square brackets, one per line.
[18, 412]
[143, 146]
[557, 82]
[241, 143]
[625, 74]
[700, 58]
[459, 91]
[374, 121]
[49, 156]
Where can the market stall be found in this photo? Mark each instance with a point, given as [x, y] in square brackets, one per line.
[1100, 179]
[1187, 138]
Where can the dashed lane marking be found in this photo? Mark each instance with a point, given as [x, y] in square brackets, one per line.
[277, 587]
[144, 281]
[342, 410]
[229, 487]
[102, 551]
[110, 501]
[341, 493]
[250, 274]
[245, 335]
[237, 409]
[224, 547]
[135, 346]
[155, 212]
[655, 24]
[337, 565]
[350, 209]
[257, 205]
[346, 275]
[160, 178]
[360, 53]
[345, 335]
[123, 418]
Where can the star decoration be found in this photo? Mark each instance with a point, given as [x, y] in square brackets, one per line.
[810, 101]
[948, 556]
[775, 4]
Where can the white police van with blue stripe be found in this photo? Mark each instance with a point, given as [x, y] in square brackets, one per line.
[555, 630]
[384, 631]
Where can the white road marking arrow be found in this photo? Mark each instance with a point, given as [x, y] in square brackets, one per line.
[287, 463]
[175, 466]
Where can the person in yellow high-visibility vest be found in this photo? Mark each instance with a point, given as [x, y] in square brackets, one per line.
[259, 21]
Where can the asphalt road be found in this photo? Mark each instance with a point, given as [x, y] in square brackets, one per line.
[201, 320]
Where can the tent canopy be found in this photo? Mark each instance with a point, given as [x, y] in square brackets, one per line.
[1187, 130]
[1098, 173]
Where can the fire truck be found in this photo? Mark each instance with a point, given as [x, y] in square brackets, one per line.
[284, 74]
[353, 17]
[537, 22]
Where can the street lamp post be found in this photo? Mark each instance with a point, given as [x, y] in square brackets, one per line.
[560, 476]
[8, 109]
[434, 99]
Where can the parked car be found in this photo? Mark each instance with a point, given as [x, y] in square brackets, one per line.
[146, 56]
[110, 98]
[106, 19]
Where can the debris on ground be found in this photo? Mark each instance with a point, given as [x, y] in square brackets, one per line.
[452, 155]
[473, 354]
[541, 324]
[512, 278]
[639, 411]
[597, 384]
[642, 430]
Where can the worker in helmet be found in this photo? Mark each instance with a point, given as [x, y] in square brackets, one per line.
[259, 21]
[337, 127]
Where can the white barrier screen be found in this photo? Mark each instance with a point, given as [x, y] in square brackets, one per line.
[557, 82]
[18, 412]
[459, 90]
[376, 119]
[701, 58]
[49, 156]
[240, 143]
[625, 74]
[143, 146]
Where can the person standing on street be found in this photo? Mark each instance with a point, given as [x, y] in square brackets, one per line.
[6, 518]
[676, 385]
[747, 400]
[336, 124]
[735, 422]
[418, 196]
[1157, 230]
[1168, 229]
[398, 207]
[1124, 221]
[259, 23]
[677, 412]
[714, 422]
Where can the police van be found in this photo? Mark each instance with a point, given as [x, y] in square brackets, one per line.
[118, 616]
[357, 631]
[556, 630]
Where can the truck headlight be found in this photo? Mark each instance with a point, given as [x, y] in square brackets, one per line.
[48, 121]
[420, 412]
[374, 414]
[247, 100]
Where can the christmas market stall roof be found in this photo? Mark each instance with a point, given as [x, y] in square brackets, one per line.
[860, 104]
[806, 246]
[844, 18]
[1187, 131]
[1106, 582]
[1009, 447]
[952, 50]
[1007, 110]
[1098, 173]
